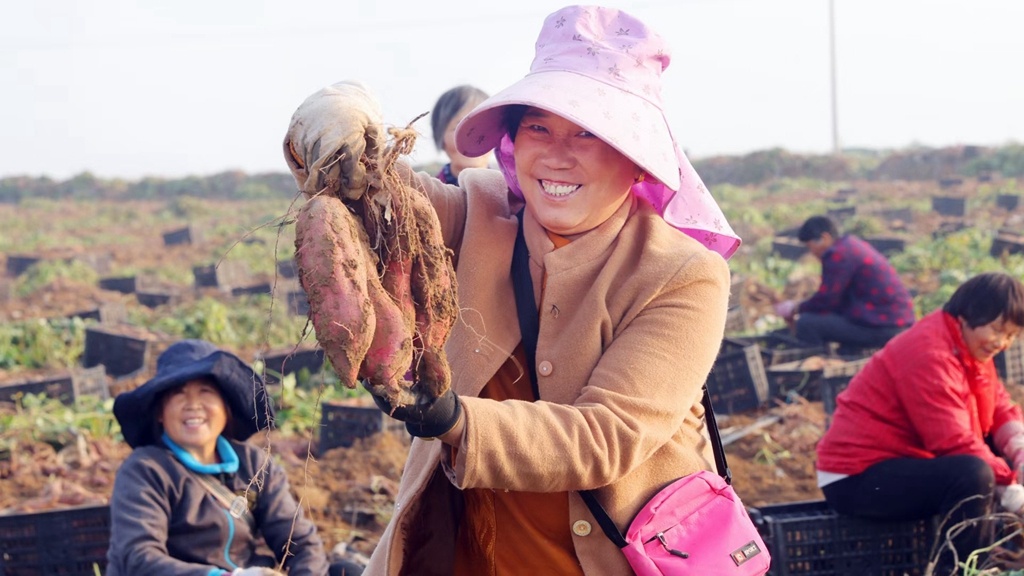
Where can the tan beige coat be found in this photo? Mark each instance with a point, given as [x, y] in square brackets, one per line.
[630, 324]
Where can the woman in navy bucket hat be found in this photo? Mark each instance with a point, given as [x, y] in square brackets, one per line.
[243, 391]
[193, 497]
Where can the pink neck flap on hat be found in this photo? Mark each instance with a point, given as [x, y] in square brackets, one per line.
[601, 68]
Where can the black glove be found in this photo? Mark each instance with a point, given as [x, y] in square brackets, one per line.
[428, 417]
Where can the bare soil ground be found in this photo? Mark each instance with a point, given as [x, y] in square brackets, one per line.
[349, 492]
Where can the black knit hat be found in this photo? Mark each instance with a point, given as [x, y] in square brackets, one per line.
[243, 390]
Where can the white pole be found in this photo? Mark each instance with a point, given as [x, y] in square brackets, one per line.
[836, 149]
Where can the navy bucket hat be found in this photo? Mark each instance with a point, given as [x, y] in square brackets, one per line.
[243, 390]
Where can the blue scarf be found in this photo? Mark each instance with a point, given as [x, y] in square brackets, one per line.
[228, 457]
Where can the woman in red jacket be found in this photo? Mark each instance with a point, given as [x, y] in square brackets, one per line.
[926, 427]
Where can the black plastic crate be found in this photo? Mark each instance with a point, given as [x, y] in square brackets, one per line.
[186, 235]
[19, 264]
[737, 382]
[830, 389]
[287, 269]
[1008, 201]
[779, 347]
[788, 248]
[253, 289]
[64, 386]
[1010, 363]
[283, 362]
[1006, 242]
[68, 542]
[887, 245]
[842, 213]
[107, 312]
[949, 205]
[122, 284]
[805, 380]
[298, 303]
[342, 424]
[810, 539]
[225, 275]
[156, 299]
[121, 349]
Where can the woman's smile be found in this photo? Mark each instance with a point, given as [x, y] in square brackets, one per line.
[559, 189]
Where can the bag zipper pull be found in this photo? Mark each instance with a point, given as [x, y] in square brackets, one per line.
[660, 536]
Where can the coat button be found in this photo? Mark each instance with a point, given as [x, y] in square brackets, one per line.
[544, 368]
[581, 528]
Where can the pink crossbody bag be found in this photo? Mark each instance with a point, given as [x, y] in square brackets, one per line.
[695, 525]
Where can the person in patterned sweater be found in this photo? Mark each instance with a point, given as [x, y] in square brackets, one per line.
[862, 303]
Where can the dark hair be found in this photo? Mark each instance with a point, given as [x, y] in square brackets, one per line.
[986, 297]
[815, 226]
[511, 116]
[448, 105]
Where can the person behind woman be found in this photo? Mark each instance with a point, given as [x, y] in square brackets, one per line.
[448, 111]
[626, 251]
[193, 497]
[926, 427]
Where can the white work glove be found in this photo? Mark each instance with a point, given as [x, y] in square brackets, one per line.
[1009, 441]
[256, 571]
[328, 135]
[1011, 498]
[786, 309]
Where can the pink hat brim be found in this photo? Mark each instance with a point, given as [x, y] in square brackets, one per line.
[627, 122]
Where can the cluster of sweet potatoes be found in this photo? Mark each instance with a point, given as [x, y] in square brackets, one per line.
[379, 280]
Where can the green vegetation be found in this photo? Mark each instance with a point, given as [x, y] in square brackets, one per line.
[299, 398]
[38, 343]
[246, 323]
[36, 418]
[45, 273]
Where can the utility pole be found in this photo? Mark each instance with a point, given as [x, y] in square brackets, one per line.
[836, 149]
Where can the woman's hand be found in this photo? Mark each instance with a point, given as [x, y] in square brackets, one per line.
[428, 417]
[329, 134]
[786, 309]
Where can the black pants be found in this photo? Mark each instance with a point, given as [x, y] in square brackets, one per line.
[817, 329]
[917, 488]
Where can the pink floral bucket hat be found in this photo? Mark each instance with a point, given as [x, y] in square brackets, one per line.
[601, 69]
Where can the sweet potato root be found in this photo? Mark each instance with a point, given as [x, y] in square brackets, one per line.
[390, 353]
[433, 289]
[335, 263]
[404, 283]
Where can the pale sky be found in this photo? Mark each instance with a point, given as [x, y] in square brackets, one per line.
[169, 88]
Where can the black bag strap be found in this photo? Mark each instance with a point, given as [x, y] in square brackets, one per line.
[609, 528]
[529, 325]
[526, 304]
